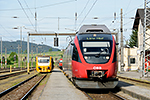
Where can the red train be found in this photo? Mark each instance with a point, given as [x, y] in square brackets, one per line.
[60, 63]
[91, 60]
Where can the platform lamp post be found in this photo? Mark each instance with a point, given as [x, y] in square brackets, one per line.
[19, 27]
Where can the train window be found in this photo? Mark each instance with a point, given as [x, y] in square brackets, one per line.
[43, 60]
[75, 53]
[94, 30]
[115, 56]
[132, 60]
[96, 52]
[96, 44]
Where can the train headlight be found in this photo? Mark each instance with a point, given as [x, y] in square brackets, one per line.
[107, 57]
[48, 67]
[85, 57]
[94, 35]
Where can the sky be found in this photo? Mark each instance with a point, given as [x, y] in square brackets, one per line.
[58, 16]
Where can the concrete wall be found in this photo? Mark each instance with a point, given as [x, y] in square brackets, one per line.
[140, 35]
[131, 59]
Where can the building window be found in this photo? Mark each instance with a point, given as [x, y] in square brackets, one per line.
[132, 60]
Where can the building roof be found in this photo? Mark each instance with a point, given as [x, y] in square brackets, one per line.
[139, 15]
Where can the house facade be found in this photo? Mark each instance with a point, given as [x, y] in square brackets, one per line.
[133, 56]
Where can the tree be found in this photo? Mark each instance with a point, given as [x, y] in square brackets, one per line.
[50, 49]
[133, 39]
[25, 52]
[13, 56]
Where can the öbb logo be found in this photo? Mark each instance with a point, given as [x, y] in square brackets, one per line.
[97, 67]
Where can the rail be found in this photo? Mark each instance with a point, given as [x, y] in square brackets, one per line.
[21, 86]
[97, 94]
[13, 74]
[27, 94]
[135, 80]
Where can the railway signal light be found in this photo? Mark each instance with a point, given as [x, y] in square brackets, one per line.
[14, 57]
[55, 41]
[3, 58]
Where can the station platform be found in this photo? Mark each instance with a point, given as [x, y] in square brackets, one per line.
[136, 91]
[59, 87]
[135, 75]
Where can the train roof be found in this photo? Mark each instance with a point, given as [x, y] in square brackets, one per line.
[94, 28]
[43, 56]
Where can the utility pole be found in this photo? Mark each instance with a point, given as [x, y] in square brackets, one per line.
[122, 52]
[18, 57]
[37, 50]
[75, 20]
[35, 17]
[21, 45]
[35, 21]
[31, 51]
[5, 57]
[1, 53]
[58, 23]
[31, 58]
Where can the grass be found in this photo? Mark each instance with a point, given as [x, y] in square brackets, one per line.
[54, 54]
[45, 80]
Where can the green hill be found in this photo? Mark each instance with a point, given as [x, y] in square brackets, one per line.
[13, 47]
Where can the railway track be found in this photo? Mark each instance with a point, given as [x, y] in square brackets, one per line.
[102, 95]
[13, 74]
[8, 70]
[23, 89]
[136, 86]
[134, 80]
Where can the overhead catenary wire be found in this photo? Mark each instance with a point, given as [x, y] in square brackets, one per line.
[26, 14]
[87, 13]
[28, 8]
[81, 9]
[127, 23]
[44, 6]
[55, 4]
[35, 16]
[128, 6]
[84, 8]
[6, 32]
[133, 9]
[126, 13]
[5, 37]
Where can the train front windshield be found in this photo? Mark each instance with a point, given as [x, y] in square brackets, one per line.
[96, 52]
[43, 60]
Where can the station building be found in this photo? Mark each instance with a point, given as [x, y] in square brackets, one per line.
[133, 56]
